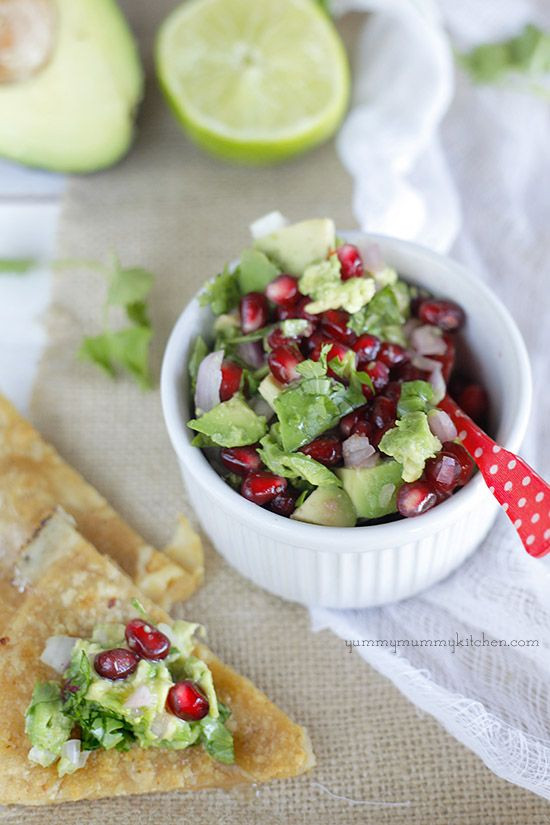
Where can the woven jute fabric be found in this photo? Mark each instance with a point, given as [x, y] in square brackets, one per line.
[170, 208]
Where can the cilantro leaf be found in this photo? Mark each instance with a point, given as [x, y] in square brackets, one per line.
[385, 314]
[16, 266]
[126, 349]
[128, 286]
[137, 313]
[526, 53]
[222, 294]
[416, 396]
[295, 465]
[97, 350]
[198, 353]
[216, 738]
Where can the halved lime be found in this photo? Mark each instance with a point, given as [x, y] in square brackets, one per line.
[253, 80]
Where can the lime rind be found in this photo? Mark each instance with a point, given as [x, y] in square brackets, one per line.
[239, 129]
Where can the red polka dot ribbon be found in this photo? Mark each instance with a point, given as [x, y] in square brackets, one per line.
[523, 494]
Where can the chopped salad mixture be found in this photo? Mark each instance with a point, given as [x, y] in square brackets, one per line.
[133, 685]
[316, 394]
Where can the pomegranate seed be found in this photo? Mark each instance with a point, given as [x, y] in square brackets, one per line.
[254, 312]
[284, 504]
[367, 348]
[447, 360]
[446, 315]
[117, 663]
[277, 339]
[392, 390]
[349, 421]
[326, 449]
[302, 313]
[415, 498]
[262, 487]
[406, 372]
[231, 380]
[380, 375]
[457, 383]
[474, 401]
[464, 458]
[351, 263]
[186, 701]
[240, 460]
[392, 354]
[363, 427]
[377, 435]
[415, 305]
[145, 640]
[337, 350]
[283, 362]
[314, 344]
[443, 472]
[383, 412]
[283, 291]
[334, 323]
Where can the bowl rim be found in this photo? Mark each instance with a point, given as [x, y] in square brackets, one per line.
[339, 539]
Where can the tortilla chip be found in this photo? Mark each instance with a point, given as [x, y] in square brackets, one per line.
[75, 588]
[34, 479]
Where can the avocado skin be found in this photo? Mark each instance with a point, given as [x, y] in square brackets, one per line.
[77, 113]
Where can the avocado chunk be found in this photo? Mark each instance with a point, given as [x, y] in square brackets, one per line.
[231, 424]
[297, 246]
[72, 110]
[255, 271]
[372, 490]
[328, 506]
[269, 389]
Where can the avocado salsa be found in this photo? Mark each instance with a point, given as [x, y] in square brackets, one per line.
[127, 686]
[316, 394]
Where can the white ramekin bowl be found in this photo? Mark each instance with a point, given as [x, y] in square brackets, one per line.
[360, 566]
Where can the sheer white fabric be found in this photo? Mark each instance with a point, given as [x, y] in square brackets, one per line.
[464, 168]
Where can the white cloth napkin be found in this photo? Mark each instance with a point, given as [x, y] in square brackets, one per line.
[438, 160]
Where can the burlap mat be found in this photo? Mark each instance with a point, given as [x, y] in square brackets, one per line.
[172, 209]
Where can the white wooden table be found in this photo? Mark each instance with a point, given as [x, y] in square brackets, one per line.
[29, 210]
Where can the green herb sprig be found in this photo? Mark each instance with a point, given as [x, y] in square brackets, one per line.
[125, 349]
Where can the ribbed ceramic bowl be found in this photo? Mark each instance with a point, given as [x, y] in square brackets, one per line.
[360, 566]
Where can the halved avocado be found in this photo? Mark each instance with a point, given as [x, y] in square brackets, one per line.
[70, 81]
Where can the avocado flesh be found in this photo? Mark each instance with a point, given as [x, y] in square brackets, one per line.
[367, 488]
[297, 246]
[76, 114]
[328, 506]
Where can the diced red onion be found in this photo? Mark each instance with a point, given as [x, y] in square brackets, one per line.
[140, 698]
[442, 425]
[209, 379]
[427, 340]
[261, 407]
[410, 326]
[359, 452]
[72, 753]
[57, 653]
[386, 492]
[252, 353]
[436, 375]
[161, 724]
[373, 260]
[267, 224]
[41, 757]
